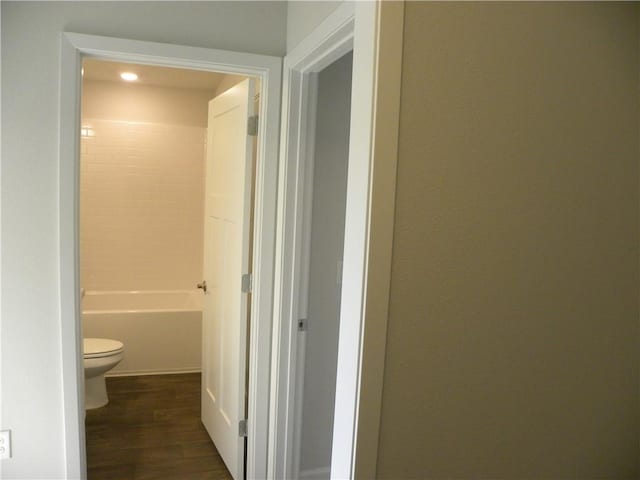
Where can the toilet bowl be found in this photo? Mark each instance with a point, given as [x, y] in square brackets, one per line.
[100, 356]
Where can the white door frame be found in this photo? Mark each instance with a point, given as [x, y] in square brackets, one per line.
[373, 30]
[73, 48]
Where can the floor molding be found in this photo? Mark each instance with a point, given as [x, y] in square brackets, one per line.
[138, 373]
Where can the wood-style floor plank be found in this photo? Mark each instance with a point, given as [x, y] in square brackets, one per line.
[151, 430]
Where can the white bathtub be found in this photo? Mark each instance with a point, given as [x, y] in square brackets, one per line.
[161, 330]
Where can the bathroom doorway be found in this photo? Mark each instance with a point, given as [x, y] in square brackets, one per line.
[152, 143]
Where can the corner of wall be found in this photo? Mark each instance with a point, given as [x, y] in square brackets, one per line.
[304, 17]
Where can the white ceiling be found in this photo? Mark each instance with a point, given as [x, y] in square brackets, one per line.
[151, 75]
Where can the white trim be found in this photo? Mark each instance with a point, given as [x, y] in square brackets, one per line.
[356, 244]
[268, 69]
[331, 40]
[369, 239]
[381, 222]
[71, 327]
[368, 234]
[308, 142]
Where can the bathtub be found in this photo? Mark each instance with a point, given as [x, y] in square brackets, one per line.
[161, 330]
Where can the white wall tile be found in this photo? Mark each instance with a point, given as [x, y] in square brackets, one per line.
[141, 210]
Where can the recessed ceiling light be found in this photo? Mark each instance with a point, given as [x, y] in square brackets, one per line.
[129, 76]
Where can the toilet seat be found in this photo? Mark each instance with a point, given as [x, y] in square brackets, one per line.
[101, 347]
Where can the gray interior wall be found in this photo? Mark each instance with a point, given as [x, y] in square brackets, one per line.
[513, 326]
[304, 16]
[327, 238]
[31, 356]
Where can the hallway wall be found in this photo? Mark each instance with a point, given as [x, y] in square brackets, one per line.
[30, 56]
[513, 335]
[304, 17]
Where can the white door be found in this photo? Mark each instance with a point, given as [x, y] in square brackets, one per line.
[226, 259]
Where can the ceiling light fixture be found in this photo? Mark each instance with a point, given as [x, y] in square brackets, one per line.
[129, 76]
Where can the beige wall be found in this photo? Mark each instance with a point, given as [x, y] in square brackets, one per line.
[227, 82]
[146, 103]
[141, 213]
[513, 327]
[142, 187]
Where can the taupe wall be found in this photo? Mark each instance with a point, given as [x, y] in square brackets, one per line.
[513, 328]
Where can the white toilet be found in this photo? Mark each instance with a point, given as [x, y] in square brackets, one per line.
[100, 356]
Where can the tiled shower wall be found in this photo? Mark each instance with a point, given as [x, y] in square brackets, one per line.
[141, 212]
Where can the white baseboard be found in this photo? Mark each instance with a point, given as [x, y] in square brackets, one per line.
[170, 371]
[315, 474]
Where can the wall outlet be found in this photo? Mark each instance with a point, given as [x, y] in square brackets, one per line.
[5, 444]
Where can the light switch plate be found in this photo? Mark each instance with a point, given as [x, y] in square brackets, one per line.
[5, 444]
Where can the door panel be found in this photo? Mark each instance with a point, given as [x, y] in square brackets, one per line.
[226, 258]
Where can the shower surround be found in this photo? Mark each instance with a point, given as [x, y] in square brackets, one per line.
[141, 240]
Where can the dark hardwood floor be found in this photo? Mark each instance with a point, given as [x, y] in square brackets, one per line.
[151, 429]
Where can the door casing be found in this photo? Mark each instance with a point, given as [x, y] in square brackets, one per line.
[74, 47]
[373, 31]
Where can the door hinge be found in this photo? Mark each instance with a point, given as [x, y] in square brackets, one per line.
[246, 283]
[252, 126]
[302, 325]
[242, 428]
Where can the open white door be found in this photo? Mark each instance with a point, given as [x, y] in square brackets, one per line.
[226, 259]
